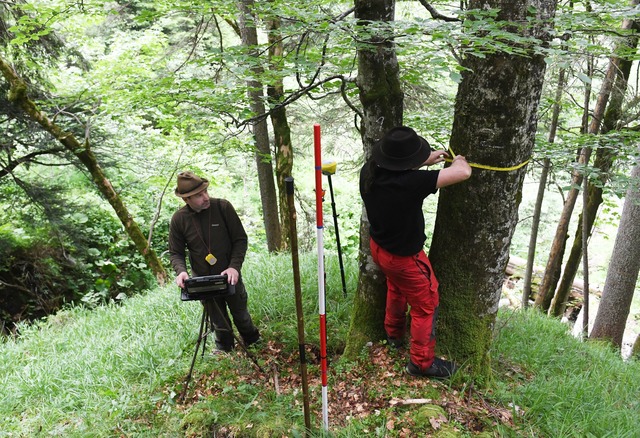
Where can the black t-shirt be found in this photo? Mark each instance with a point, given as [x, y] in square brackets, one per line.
[394, 207]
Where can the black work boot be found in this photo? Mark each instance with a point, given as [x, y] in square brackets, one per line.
[396, 343]
[224, 340]
[251, 337]
[439, 369]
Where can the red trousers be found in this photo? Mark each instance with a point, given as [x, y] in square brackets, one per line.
[411, 284]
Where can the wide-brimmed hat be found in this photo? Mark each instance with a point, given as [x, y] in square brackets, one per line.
[190, 184]
[401, 149]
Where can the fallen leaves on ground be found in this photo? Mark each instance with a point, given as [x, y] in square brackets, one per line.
[366, 389]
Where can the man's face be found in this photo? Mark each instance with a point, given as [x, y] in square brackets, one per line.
[199, 201]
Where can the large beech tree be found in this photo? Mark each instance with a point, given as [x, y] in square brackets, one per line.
[494, 125]
[381, 97]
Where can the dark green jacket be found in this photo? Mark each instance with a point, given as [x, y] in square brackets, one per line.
[216, 230]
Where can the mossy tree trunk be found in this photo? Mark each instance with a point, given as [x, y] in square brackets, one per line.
[382, 102]
[18, 95]
[280, 123]
[268, 197]
[495, 125]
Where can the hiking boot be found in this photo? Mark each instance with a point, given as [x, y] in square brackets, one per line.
[257, 344]
[395, 343]
[223, 348]
[251, 338]
[439, 369]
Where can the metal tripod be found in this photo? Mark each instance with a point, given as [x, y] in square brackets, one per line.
[206, 328]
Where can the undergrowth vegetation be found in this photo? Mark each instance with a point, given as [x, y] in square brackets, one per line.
[119, 370]
[79, 254]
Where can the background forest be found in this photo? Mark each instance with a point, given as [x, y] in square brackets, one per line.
[103, 102]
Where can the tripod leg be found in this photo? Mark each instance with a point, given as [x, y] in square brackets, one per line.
[202, 334]
[205, 328]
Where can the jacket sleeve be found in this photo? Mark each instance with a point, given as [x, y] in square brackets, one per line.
[177, 245]
[237, 236]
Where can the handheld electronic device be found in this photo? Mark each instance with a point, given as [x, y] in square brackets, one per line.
[206, 287]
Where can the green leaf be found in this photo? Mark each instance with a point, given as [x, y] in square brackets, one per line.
[584, 78]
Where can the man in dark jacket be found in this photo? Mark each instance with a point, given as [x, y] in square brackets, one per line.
[211, 231]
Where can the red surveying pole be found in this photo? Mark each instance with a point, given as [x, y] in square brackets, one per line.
[321, 287]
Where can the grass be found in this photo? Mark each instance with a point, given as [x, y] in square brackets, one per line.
[118, 371]
[576, 388]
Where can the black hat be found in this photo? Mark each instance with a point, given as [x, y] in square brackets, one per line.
[401, 149]
[190, 184]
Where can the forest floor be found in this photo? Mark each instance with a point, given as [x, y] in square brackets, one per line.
[378, 385]
[367, 391]
[369, 388]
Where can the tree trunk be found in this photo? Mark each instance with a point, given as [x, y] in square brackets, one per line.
[635, 350]
[494, 124]
[558, 302]
[542, 186]
[281, 130]
[585, 260]
[624, 267]
[556, 254]
[18, 95]
[604, 160]
[558, 246]
[381, 97]
[249, 36]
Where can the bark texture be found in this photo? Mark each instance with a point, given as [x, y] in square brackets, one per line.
[494, 124]
[622, 274]
[382, 102]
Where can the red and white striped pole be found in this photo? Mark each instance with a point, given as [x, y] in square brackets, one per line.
[321, 287]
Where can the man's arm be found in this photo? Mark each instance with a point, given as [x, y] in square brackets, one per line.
[177, 252]
[457, 172]
[238, 240]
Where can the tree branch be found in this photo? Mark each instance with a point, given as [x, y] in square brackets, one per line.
[29, 158]
[295, 96]
[435, 14]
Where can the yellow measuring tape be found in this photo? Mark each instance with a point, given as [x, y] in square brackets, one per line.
[484, 166]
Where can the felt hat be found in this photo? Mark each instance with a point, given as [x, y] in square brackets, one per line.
[401, 149]
[190, 184]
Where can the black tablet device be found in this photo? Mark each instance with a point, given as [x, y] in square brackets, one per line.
[207, 286]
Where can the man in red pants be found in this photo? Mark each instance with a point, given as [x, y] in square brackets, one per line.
[393, 189]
